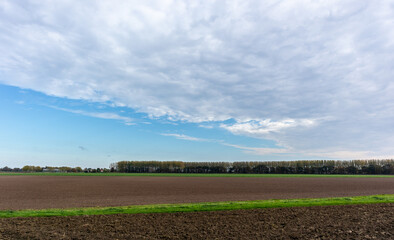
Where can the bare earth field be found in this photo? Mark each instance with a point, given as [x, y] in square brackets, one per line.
[328, 222]
[40, 192]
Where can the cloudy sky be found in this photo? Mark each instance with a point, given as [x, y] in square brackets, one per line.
[93, 82]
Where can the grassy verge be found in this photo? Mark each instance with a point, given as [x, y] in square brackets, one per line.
[194, 175]
[195, 207]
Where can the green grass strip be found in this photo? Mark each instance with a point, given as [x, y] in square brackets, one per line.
[196, 175]
[197, 207]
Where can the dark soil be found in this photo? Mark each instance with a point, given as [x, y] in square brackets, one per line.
[329, 222]
[38, 192]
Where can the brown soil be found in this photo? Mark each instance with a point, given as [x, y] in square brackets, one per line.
[329, 222]
[38, 192]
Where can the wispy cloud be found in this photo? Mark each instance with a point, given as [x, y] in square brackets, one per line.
[206, 126]
[316, 153]
[252, 150]
[103, 115]
[290, 152]
[258, 151]
[184, 137]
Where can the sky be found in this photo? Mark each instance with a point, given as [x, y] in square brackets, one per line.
[89, 83]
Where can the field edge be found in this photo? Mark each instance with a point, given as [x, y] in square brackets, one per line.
[199, 207]
[198, 175]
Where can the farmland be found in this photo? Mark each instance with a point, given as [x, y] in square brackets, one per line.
[325, 222]
[258, 175]
[41, 192]
[165, 206]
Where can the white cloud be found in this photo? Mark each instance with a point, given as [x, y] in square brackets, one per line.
[103, 115]
[263, 128]
[206, 126]
[184, 137]
[255, 62]
[316, 153]
[258, 151]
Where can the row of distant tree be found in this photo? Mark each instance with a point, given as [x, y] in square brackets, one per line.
[28, 168]
[273, 167]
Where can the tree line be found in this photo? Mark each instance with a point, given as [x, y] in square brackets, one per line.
[373, 166]
[29, 168]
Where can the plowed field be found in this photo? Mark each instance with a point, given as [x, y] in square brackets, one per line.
[374, 221]
[40, 192]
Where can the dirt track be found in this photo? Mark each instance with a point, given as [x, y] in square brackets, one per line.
[38, 192]
[333, 222]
